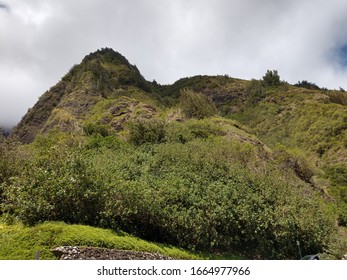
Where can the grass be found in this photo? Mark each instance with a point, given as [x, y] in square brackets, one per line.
[302, 119]
[18, 242]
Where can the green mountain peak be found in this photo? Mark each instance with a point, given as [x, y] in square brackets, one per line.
[69, 102]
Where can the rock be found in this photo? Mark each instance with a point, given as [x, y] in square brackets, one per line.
[91, 253]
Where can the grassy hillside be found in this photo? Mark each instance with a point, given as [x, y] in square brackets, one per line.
[311, 124]
[300, 118]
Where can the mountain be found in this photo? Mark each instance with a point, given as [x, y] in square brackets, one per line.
[71, 100]
[209, 163]
[105, 88]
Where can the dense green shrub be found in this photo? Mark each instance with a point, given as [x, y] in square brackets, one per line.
[192, 196]
[202, 194]
[147, 131]
[55, 186]
[196, 105]
[92, 129]
[11, 160]
[191, 129]
[97, 141]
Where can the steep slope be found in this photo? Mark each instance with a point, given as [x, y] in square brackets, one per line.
[66, 105]
[311, 120]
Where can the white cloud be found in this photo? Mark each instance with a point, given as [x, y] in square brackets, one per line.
[41, 39]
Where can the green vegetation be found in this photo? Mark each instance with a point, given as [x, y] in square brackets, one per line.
[306, 84]
[208, 193]
[21, 243]
[196, 105]
[147, 131]
[257, 92]
[338, 97]
[111, 150]
[271, 78]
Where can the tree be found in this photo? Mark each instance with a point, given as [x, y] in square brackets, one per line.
[271, 78]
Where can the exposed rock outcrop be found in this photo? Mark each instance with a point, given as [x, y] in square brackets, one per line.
[92, 253]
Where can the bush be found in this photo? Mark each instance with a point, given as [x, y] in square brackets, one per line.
[184, 132]
[308, 85]
[95, 129]
[271, 78]
[257, 92]
[11, 163]
[337, 174]
[202, 195]
[196, 105]
[143, 131]
[190, 195]
[56, 186]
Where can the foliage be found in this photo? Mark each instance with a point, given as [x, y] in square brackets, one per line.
[338, 97]
[280, 119]
[126, 75]
[54, 186]
[337, 174]
[309, 124]
[338, 177]
[147, 131]
[92, 129]
[192, 129]
[206, 193]
[308, 85]
[196, 105]
[296, 161]
[271, 78]
[257, 92]
[11, 160]
[189, 195]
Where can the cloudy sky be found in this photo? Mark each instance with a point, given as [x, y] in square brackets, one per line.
[40, 40]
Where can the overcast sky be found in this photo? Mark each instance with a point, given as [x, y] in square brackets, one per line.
[40, 40]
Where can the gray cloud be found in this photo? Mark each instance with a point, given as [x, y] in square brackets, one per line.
[41, 39]
[4, 6]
